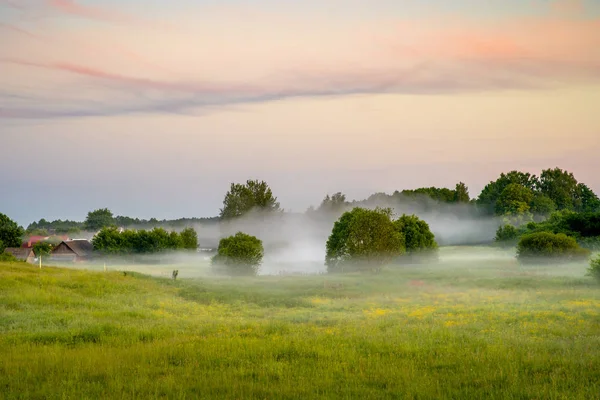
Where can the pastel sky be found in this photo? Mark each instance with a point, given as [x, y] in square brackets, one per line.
[152, 108]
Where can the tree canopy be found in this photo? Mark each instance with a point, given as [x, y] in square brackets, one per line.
[111, 241]
[11, 234]
[515, 199]
[98, 219]
[363, 239]
[417, 235]
[492, 191]
[561, 187]
[240, 254]
[243, 198]
[189, 239]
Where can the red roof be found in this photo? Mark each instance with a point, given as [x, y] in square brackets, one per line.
[33, 240]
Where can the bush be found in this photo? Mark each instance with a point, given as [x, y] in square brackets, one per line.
[363, 239]
[594, 269]
[240, 254]
[6, 257]
[417, 235]
[507, 233]
[547, 246]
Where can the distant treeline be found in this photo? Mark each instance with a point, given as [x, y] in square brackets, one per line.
[518, 197]
[44, 227]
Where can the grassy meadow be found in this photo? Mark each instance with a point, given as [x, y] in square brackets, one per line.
[475, 325]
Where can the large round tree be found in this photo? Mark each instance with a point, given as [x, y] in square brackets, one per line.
[363, 239]
[240, 254]
[417, 235]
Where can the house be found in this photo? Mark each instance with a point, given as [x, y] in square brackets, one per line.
[72, 251]
[21, 254]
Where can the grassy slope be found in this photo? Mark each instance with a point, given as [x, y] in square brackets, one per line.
[471, 331]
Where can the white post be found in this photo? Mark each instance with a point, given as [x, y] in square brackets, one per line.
[40, 261]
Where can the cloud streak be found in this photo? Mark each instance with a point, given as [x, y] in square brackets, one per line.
[71, 7]
[433, 56]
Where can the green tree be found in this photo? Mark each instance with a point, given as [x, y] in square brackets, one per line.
[2, 247]
[99, 219]
[417, 235]
[109, 241]
[11, 234]
[189, 239]
[240, 254]
[542, 205]
[337, 202]
[492, 191]
[561, 186]
[42, 249]
[586, 199]
[515, 199]
[243, 198]
[461, 193]
[363, 239]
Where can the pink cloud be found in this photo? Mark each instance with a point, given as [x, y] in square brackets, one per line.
[72, 8]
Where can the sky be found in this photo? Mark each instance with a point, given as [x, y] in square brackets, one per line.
[153, 108]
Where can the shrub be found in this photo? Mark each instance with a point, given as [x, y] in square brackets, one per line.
[6, 257]
[507, 233]
[363, 239]
[594, 269]
[547, 246]
[240, 254]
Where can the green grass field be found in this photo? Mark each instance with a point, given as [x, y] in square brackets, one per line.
[473, 326]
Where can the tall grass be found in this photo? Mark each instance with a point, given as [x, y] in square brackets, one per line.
[474, 329]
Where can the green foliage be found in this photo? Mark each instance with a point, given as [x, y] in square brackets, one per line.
[243, 198]
[98, 219]
[11, 234]
[561, 187]
[2, 247]
[336, 203]
[594, 269]
[547, 246]
[507, 233]
[110, 241]
[42, 249]
[417, 235]
[586, 199]
[7, 257]
[461, 193]
[363, 239]
[514, 200]
[542, 205]
[189, 239]
[43, 227]
[443, 195]
[492, 191]
[240, 254]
